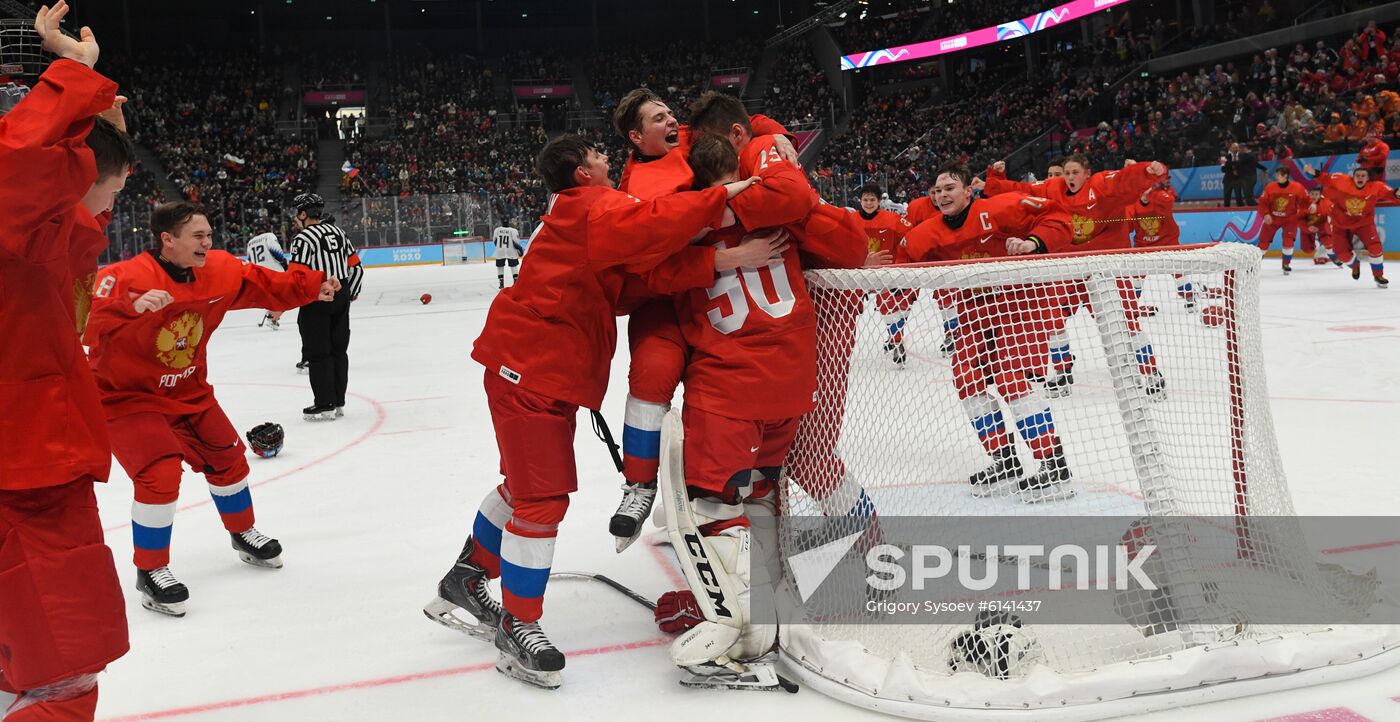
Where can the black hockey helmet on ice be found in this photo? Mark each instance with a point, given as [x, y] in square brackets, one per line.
[266, 439]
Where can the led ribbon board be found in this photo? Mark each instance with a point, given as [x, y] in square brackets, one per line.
[977, 38]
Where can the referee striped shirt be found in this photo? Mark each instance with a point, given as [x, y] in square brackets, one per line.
[324, 247]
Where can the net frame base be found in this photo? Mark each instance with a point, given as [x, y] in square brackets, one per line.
[1211, 673]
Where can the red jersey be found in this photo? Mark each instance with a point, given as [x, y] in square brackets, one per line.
[919, 210]
[156, 361]
[553, 332]
[1284, 203]
[1098, 210]
[783, 197]
[1374, 156]
[52, 431]
[761, 125]
[1153, 221]
[883, 231]
[981, 231]
[752, 331]
[659, 177]
[1353, 207]
[753, 334]
[1319, 216]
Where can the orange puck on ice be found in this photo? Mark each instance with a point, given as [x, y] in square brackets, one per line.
[1213, 315]
[426, 298]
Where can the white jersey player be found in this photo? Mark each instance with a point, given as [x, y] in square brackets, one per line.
[508, 252]
[265, 251]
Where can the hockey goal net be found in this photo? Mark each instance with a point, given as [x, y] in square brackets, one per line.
[930, 374]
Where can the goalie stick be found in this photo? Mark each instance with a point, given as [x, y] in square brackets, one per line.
[714, 591]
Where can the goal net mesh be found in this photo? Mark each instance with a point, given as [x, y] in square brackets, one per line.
[1132, 385]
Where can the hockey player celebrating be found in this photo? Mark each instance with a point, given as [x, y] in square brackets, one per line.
[751, 376]
[1317, 229]
[62, 616]
[1154, 226]
[1018, 318]
[508, 252]
[151, 321]
[884, 230]
[1281, 205]
[1354, 216]
[1098, 204]
[547, 348]
[657, 167]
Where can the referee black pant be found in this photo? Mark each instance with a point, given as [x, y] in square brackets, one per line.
[325, 340]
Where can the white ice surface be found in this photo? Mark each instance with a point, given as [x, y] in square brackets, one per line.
[372, 510]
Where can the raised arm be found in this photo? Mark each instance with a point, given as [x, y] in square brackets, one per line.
[45, 164]
[295, 287]
[637, 235]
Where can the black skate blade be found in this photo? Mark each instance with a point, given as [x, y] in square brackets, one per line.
[757, 677]
[273, 563]
[544, 680]
[173, 609]
[441, 611]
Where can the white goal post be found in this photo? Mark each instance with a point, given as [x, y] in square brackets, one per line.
[1167, 421]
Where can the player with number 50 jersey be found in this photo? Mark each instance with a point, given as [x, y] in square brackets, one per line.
[753, 333]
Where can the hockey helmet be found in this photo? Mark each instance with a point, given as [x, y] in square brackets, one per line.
[266, 439]
[308, 201]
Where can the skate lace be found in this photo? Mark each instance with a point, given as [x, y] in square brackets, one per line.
[255, 538]
[636, 500]
[531, 637]
[483, 596]
[163, 578]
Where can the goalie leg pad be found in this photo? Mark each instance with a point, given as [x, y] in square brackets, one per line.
[717, 592]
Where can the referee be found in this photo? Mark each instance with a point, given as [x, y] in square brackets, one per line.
[325, 325]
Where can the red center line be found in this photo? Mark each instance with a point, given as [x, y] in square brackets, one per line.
[364, 684]
[1362, 547]
[416, 431]
[677, 580]
[373, 429]
[421, 398]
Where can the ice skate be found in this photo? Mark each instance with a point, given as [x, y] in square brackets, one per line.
[465, 588]
[896, 351]
[162, 592]
[302, 369]
[1050, 482]
[527, 654]
[257, 548]
[945, 349]
[1155, 385]
[319, 412]
[1382, 282]
[1006, 466]
[626, 522]
[1060, 383]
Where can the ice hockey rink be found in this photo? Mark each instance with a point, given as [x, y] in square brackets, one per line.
[373, 508]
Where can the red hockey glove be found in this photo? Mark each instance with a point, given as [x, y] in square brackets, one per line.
[678, 611]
